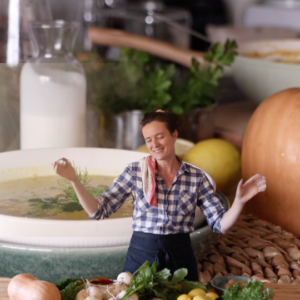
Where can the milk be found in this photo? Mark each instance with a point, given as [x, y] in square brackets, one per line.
[68, 131]
[52, 106]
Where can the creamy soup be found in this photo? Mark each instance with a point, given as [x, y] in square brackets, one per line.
[42, 197]
[277, 56]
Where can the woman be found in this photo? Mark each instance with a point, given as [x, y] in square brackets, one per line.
[165, 193]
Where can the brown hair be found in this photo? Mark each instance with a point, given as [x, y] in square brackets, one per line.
[171, 120]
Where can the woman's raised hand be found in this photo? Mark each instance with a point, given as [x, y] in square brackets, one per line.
[64, 168]
[254, 185]
[245, 191]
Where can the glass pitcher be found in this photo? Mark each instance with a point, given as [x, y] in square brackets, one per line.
[52, 89]
[15, 49]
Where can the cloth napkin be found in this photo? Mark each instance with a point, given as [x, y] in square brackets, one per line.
[148, 167]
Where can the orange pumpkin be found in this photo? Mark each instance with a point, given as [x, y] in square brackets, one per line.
[271, 147]
[28, 287]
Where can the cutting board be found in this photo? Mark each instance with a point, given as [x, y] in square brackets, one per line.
[3, 288]
[281, 291]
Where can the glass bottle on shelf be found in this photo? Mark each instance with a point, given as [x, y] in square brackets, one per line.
[52, 89]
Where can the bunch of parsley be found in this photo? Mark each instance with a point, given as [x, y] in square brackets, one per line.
[138, 82]
[134, 82]
[201, 84]
[149, 283]
[252, 290]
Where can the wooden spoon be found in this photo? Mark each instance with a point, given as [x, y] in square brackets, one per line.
[119, 38]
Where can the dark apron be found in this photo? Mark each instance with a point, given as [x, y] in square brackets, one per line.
[172, 251]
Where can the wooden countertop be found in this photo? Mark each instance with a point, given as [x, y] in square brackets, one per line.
[281, 291]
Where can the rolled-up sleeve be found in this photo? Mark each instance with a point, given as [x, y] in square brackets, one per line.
[110, 201]
[210, 205]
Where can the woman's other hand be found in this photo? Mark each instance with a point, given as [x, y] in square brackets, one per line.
[253, 186]
[64, 168]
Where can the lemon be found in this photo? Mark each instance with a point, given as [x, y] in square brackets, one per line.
[184, 297]
[182, 146]
[211, 296]
[200, 297]
[218, 158]
[197, 292]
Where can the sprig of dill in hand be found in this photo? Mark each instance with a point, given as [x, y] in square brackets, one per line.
[72, 201]
[68, 201]
[82, 176]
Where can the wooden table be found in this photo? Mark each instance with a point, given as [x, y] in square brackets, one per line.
[281, 291]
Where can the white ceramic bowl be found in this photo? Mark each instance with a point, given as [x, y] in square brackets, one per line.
[67, 233]
[258, 77]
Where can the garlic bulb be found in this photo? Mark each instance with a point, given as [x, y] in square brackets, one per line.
[94, 293]
[124, 278]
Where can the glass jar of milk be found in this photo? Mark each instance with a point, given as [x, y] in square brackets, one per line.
[52, 89]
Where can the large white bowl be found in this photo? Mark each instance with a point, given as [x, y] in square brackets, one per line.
[65, 233]
[53, 250]
[259, 78]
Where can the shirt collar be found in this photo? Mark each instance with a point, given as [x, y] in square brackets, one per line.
[182, 168]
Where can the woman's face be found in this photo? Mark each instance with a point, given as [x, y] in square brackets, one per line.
[159, 140]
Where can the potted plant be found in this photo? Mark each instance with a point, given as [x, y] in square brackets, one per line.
[125, 89]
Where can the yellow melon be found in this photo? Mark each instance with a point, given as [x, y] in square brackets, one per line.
[220, 159]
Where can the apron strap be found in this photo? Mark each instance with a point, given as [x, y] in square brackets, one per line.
[165, 259]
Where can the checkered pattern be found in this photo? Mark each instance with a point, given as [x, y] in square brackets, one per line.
[175, 210]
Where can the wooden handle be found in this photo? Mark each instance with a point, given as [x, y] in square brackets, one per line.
[119, 38]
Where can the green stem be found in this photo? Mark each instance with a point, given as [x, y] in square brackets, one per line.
[145, 263]
[132, 292]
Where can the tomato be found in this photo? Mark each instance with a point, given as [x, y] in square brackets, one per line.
[242, 284]
[231, 282]
[226, 285]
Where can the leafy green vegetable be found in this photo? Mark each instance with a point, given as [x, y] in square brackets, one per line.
[149, 283]
[64, 283]
[137, 81]
[69, 288]
[201, 83]
[252, 290]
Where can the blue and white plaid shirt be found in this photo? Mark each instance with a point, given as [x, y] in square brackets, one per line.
[175, 210]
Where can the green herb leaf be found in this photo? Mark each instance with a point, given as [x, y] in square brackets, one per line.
[162, 276]
[36, 200]
[71, 290]
[179, 275]
[72, 206]
[64, 283]
[161, 295]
